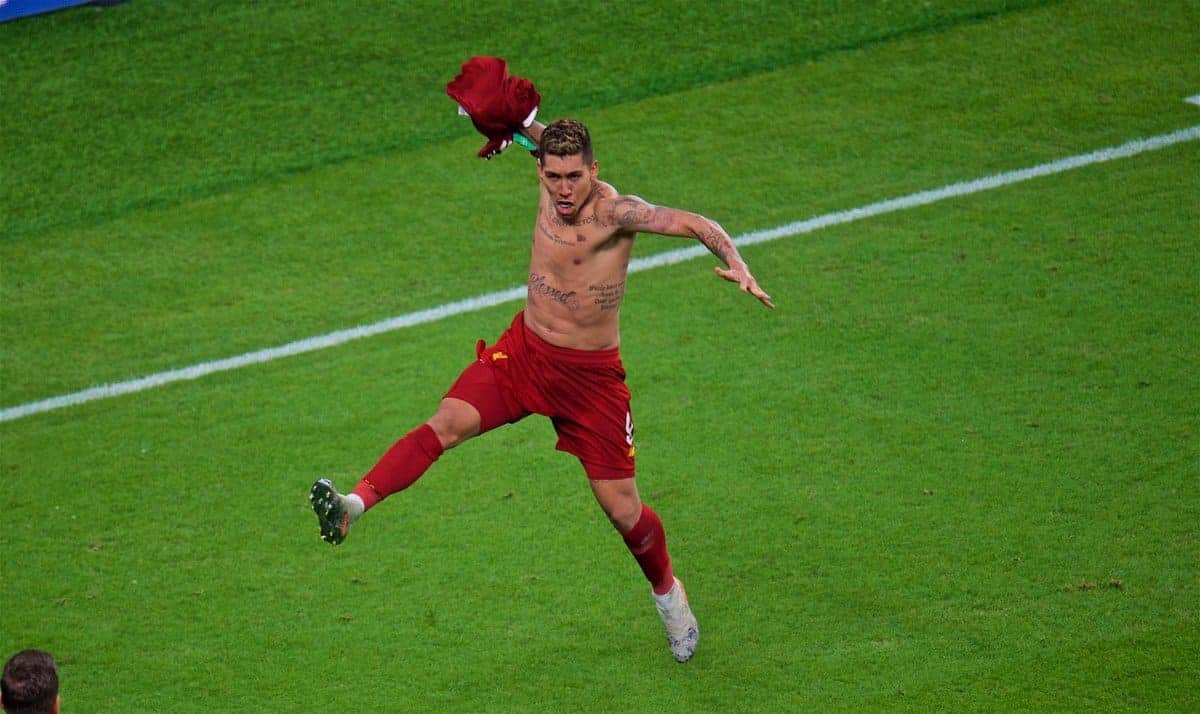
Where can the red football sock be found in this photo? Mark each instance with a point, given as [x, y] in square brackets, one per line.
[400, 466]
[648, 542]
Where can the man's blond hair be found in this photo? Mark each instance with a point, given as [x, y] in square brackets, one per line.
[566, 137]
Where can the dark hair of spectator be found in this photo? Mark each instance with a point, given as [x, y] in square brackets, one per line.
[30, 683]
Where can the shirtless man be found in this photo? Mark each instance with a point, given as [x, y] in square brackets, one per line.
[560, 358]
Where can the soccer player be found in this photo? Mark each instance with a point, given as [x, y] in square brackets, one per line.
[560, 358]
[30, 683]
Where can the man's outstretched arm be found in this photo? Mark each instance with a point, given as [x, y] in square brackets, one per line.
[534, 131]
[634, 214]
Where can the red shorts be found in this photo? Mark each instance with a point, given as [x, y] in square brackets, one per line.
[582, 391]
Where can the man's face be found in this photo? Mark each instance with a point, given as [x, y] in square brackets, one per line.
[568, 181]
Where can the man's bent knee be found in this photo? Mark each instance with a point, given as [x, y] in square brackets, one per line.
[625, 516]
[620, 501]
[454, 422]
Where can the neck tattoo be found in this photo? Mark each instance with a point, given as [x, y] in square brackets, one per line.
[580, 222]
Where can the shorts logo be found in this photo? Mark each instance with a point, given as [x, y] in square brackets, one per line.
[629, 430]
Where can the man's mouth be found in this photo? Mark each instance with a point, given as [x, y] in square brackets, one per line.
[565, 207]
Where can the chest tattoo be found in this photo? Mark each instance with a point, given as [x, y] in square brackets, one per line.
[607, 295]
[539, 286]
[554, 237]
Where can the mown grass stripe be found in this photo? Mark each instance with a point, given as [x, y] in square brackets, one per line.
[480, 302]
[102, 207]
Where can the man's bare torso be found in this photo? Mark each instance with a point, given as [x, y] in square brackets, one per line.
[577, 274]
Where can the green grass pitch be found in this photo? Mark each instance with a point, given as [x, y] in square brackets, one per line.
[957, 469]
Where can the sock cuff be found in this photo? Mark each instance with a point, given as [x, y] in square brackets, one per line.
[645, 527]
[428, 440]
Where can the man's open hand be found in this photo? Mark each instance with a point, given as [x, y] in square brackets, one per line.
[746, 282]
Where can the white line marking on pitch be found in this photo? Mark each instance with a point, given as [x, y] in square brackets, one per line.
[1194, 100]
[480, 302]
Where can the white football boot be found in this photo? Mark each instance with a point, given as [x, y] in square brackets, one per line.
[683, 632]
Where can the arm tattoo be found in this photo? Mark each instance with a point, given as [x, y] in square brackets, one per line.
[607, 295]
[629, 211]
[719, 244]
[538, 286]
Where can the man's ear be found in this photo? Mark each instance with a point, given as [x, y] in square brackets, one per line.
[56, 703]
